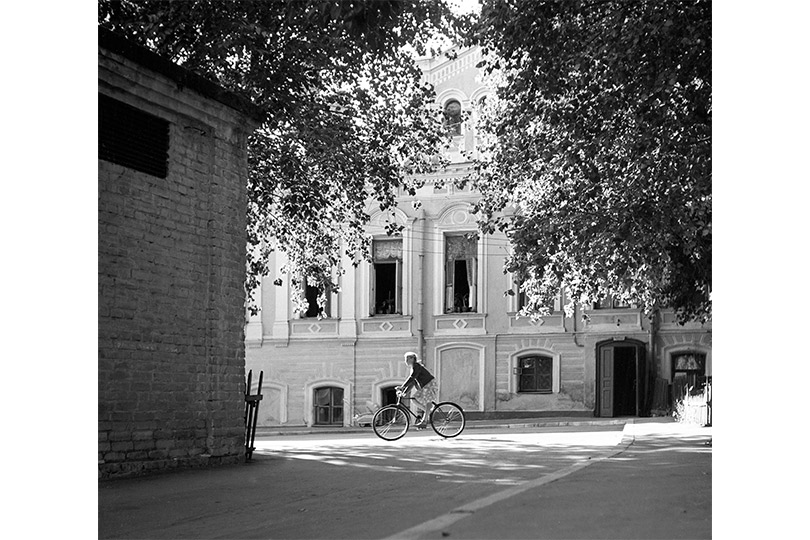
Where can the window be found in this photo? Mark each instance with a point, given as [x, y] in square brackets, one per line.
[313, 310]
[131, 137]
[452, 117]
[386, 278]
[461, 273]
[688, 369]
[521, 299]
[328, 405]
[520, 296]
[535, 374]
[610, 303]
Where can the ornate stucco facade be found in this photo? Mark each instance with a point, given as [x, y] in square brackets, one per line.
[439, 290]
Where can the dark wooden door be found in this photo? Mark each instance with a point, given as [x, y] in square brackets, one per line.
[606, 387]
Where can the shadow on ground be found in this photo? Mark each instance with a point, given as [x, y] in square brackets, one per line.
[480, 458]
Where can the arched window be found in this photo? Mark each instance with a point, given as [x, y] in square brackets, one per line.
[452, 117]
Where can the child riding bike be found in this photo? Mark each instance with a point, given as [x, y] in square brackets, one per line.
[425, 384]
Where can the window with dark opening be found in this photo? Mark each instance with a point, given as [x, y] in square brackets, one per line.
[522, 299]
[452, 117]
[461, 285]
[535, 374]
[131, 137]
[313, 310]
[386, 280]
[461, 267]
[389, 395]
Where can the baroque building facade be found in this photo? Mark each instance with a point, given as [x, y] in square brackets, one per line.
[438, 290]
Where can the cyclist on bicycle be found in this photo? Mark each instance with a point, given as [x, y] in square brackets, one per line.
[426, 389]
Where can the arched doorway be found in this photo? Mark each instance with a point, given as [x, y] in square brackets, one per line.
[621, 375]
[388, 395]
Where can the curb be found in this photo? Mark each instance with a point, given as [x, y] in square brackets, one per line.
[558, 423]
[475, 424]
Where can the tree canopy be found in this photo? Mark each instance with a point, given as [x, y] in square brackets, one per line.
[348, 119]
[598, 160]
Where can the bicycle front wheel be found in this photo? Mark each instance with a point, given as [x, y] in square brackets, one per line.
[447, 419]
[390, 423]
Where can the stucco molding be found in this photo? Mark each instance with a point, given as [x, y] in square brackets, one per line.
[479, 348]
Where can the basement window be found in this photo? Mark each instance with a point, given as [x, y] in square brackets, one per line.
[535, 374]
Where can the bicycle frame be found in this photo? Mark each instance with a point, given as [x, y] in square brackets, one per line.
[407, 409]
[451, 418]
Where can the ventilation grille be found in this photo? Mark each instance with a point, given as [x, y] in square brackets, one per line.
[132, 138]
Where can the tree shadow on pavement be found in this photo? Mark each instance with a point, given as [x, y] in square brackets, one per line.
[477, 458]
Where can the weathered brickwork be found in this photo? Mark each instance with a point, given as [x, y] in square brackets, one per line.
[171, 262]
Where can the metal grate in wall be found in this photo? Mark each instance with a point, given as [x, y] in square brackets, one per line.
[132, 138]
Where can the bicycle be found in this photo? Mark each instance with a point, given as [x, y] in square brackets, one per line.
[391, 422]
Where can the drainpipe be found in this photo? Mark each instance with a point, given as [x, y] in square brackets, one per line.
[574, 321]
[653, 367]
[419, 234]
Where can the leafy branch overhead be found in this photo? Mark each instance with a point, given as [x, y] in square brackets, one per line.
[598, 163]
[348, 118]
[597, 157]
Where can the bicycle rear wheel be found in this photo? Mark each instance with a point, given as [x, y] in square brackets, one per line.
[390, 423]
[447, 419]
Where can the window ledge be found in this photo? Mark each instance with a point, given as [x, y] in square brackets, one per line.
[314, 328]
[669, 321]
[613, 319]
[384, 326]
[526, 325]
[460, 323]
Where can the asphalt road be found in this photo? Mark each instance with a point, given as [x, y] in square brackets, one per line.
[576, 482]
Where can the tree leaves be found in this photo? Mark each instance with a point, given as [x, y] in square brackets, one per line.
[602, 146]
[347, 116]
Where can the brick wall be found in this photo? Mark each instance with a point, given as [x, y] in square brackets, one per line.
[171, 264]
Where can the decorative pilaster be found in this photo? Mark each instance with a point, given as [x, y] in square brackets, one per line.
[254, 330]
[281, 327]
[347, 315]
